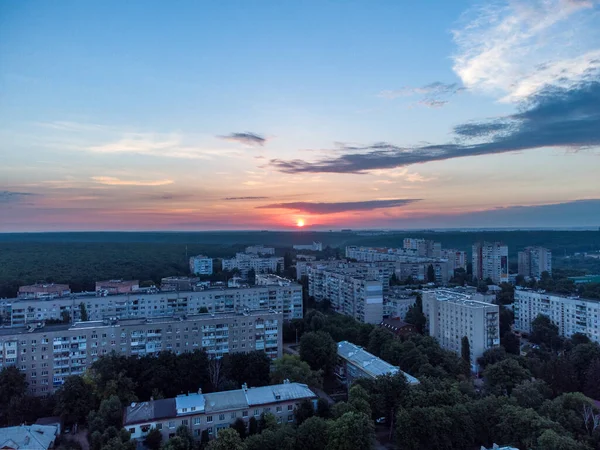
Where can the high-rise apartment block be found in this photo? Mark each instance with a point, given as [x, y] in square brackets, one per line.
[423, 247]
[350, 292]
[245, 262]
[285, 299]
[570, 313]
[48, 354]
[535, 260]
[201, 265]
[490, 260]
[452, 315]
[457, 259]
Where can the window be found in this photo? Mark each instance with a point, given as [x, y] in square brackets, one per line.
[244, 413]
[279, 409]
[196, 420]
[266, 410]
[184, 422]
[256, 412]
[209, 429]
[221, 416]
[290, 418]
[171, 424]
[159, 426]
[290, 407]
[233, 415]
[209, 419]
[132, 430]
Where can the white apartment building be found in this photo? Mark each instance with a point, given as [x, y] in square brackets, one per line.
[244, 262]
[349, 292]
[457, 259]
[396, 305]
[535, 260]
[490, 260]
[285, 299]
[452, 315]
[260, 250]
[423, 247]
[570, 313]
[48, 354]
[201, 265]
[315, 247]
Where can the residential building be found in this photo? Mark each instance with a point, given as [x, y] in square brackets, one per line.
[44, 290]
[423, 247]
[535, 260]
[490, 260]
[285, 299]
[457, 259]
[451, 315]
[350, 292]
[315, 247]
[398, 327]
[260, 250]
[269, 279]
[355, 362]
[201, 265]
[246, 262]
[48, 354]
[113, 287]
[28, 437]
[397, 303]
[571, 314]
[215, 411]
[178, 284]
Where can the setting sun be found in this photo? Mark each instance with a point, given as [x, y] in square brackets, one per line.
[300, 223]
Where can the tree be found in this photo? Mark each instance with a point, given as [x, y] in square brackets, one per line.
[543, 331]
[153, 439]
[358, 398]
[12, 385]
[507, 319]
[65, 316]
[503, 376]
[531, 394]
[240, 426]
[304, 411]
[482, 287]
[491, 356]
[252, 426]
[352, 431]
[291, 367]
[378, 338]
[323, 409]
[267, 422]
[251, 277]
[319, 350]
[511, 343]
[551, 440]
[203, 310]
[430, 274]
[83, 312]
[252, 368]
[227, 439]
[591, 387]
[415, 315]
[312, 434]
[465, 350]
[75, 399]
[520, 427]
[216, 373]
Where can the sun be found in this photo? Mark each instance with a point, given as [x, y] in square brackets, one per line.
[300, 223]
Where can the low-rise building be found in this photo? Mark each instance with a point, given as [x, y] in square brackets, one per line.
[44, 291]
[260, 250]
[452, 315]
[28, 437]
[215, 411]
[178, 284]
[201, 265]
[115, 287]
[315, 247]
[47, 354]
[355, 362]
[398, 327]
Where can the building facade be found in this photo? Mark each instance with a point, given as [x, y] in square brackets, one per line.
[285, 299]
[452, 315]
[43, 291]
[48, 354]
[490, 260]
[260, 250]
[113, 287]
[201, 265]
[215, 411]
[571, 314]
[533, 261]
[246, 262]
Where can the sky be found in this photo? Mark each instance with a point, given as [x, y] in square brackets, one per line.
[196, 115]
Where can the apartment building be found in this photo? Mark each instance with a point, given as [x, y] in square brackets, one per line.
[571, 314]
[418, 271]
[535, 260]
[490, 260]
[201, 265]
[451, 315]
[260, 250]
[285, 299]
[113, 287]
[315, 247]
[215, 411]
[44, 290]
[47, 354]
[397, 304]
[457, 259]
[350, 292]
[179, 284]
[245, 262]
[423, 247]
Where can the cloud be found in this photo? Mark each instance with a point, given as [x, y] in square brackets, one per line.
[337, 207]
[433, 103]
[14, 197]
[247, 138]
[246, 198]
[515, 49]
[434, 89]
[555, 117]
[112, 181]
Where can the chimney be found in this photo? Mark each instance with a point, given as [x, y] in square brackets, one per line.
[245, 387]
[199, 390]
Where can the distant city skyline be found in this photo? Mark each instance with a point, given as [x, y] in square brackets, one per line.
[312, 115]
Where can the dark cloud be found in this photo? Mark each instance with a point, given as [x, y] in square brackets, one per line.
[246, 198]
[246, 138]
[555, 117]
[12, 197]
[337, 207]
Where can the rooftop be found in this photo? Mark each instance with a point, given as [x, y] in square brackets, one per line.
[448, 295]
[147, 411]
[369, 363]
[28, 437]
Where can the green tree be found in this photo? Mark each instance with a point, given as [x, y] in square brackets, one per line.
[252, 426]
[465, 350]
[341, 408]
[291, 367]
[591, 386]
[227, 439]
[319, 350]
[240, 426]
[482, 287]
[65, 317]
[511, 342]
[551, 440]
[581, 357]
[352, 431]
[430, 274]
[378, 339]
[543, 331]
[503, 376]
[491, 356]
[203, 310]
[531, 394]
[323, 409]
[12, 385]
[415, 315]
[75, 399]
[359, 399]
[520, 427]
[83, 312]
[251, 277]
[304, 411]
[153, 439]
[312, 434]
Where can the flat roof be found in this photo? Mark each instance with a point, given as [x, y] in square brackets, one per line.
[554, 294]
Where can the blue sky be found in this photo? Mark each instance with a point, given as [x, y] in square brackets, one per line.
[146, 115]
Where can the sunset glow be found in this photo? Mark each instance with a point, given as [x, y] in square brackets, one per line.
[300, 223]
